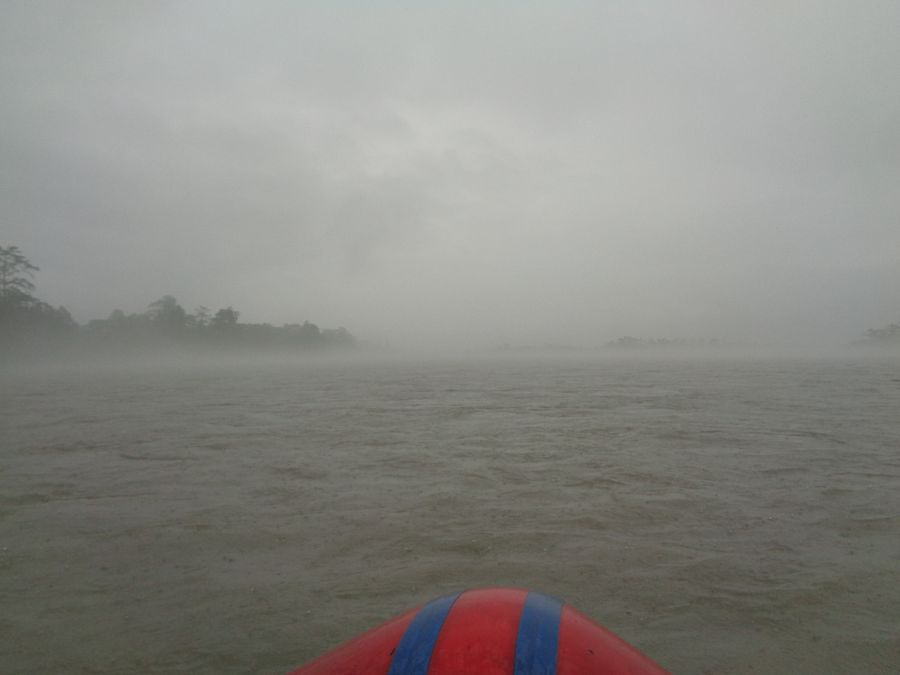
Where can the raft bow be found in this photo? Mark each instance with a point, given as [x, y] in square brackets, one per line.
[493, 631]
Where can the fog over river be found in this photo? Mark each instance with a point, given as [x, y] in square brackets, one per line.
[729, 516]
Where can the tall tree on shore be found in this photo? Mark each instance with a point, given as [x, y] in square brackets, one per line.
[16, 272]
[24, 319]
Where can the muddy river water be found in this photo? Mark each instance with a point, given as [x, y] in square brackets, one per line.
[729, 516]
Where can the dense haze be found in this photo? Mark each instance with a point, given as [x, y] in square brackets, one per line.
[462, 174]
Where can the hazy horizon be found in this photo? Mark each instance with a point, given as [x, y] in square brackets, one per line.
[461, 175]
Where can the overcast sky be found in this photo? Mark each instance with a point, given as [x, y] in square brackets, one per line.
[464, 173]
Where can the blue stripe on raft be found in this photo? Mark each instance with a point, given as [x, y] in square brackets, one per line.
[414, 651]
[538, 638]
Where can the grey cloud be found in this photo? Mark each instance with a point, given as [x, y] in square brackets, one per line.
[464, 173]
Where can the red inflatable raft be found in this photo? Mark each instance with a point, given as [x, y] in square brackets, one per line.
[495, 631]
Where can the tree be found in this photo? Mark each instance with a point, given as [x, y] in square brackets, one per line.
[16, 272]
[224, 319]
[200, 318]
[167, 314]
[24, 319]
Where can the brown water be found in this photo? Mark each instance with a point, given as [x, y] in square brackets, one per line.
[725, 516]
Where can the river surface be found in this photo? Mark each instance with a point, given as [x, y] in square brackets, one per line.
[726, 516]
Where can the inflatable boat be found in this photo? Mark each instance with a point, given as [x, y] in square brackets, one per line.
[494, 631]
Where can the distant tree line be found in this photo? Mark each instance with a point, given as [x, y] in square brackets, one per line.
[29, 323]
[887, 336]
[631, 342]
[166, 319]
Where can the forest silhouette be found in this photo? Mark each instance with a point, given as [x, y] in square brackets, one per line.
[28, 325]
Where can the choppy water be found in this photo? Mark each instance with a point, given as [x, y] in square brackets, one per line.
[725, 516]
